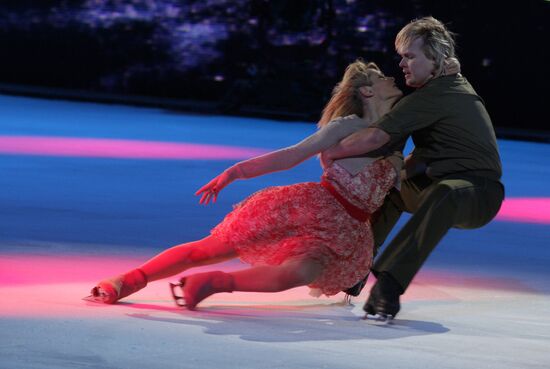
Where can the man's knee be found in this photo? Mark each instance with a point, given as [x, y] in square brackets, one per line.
[440, 193]
[441, 202]
[460, 201]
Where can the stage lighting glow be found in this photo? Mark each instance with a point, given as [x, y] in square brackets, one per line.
[120, 148]
[525, 210]
[53, 286]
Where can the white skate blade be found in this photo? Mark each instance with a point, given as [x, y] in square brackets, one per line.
[378, 319]
[101, 297]
[92, 298]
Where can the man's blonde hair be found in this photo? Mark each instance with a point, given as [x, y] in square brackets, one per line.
[346, 97]
[439, 42]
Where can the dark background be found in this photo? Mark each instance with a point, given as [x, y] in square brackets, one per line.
[277, 58]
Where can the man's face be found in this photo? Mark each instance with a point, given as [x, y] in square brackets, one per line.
[418, 69]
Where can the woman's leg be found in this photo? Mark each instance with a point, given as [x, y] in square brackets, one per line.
[276, 278]
[292, 273]
[188, 255]
[170, 262]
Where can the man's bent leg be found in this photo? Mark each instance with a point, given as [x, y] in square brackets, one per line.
[464, 203]
[384, 219]
[382, 222]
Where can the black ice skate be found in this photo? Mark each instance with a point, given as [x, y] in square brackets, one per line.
[383, 303]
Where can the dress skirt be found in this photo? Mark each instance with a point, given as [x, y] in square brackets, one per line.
[303, 220]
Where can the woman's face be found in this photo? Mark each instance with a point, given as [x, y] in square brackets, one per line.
[384, 87]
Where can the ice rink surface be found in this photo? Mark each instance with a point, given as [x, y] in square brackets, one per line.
[90, 190]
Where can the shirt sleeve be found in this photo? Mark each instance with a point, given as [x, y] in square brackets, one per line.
[412, 113]
[291, 156]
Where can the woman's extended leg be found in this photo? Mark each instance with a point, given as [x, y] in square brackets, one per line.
[292, 273]
[170, 262]
[187, 255]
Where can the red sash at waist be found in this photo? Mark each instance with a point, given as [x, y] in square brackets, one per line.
[351, 209]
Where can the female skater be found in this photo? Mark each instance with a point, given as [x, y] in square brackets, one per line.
[315, 234]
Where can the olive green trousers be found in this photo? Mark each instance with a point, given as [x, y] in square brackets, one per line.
[458, 201]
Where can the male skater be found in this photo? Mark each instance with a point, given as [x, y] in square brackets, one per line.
[453, 174]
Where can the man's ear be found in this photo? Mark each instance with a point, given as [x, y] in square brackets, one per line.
[366, 91]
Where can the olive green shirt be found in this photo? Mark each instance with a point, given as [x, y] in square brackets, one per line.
[450, 128]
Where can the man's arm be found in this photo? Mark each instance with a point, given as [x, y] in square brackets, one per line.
[360, 142]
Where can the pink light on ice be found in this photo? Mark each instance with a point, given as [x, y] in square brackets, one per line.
[525, 210]
[54, 285]
[119, 148]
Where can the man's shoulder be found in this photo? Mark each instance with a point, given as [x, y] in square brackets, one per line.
[437, 96]
[454, 84]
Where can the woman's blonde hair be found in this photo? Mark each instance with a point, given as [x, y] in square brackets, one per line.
[346, 97]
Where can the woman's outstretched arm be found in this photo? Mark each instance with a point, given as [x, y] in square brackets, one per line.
[282, 159]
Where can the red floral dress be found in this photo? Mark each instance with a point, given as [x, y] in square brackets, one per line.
[305, 220]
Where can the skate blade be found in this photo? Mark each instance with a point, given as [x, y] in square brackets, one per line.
[92, 298]
[100, 298]
[378, 319]
[178, 298]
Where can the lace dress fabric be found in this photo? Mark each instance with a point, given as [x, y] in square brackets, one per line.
[304, 220]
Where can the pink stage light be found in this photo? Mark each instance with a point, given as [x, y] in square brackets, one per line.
[525, 210]
[120, 148]
[54, 285]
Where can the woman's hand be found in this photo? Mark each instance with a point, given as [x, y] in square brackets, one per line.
[451, 66]
[211, 190]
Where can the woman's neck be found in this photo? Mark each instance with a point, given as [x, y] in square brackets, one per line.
[375, 109]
